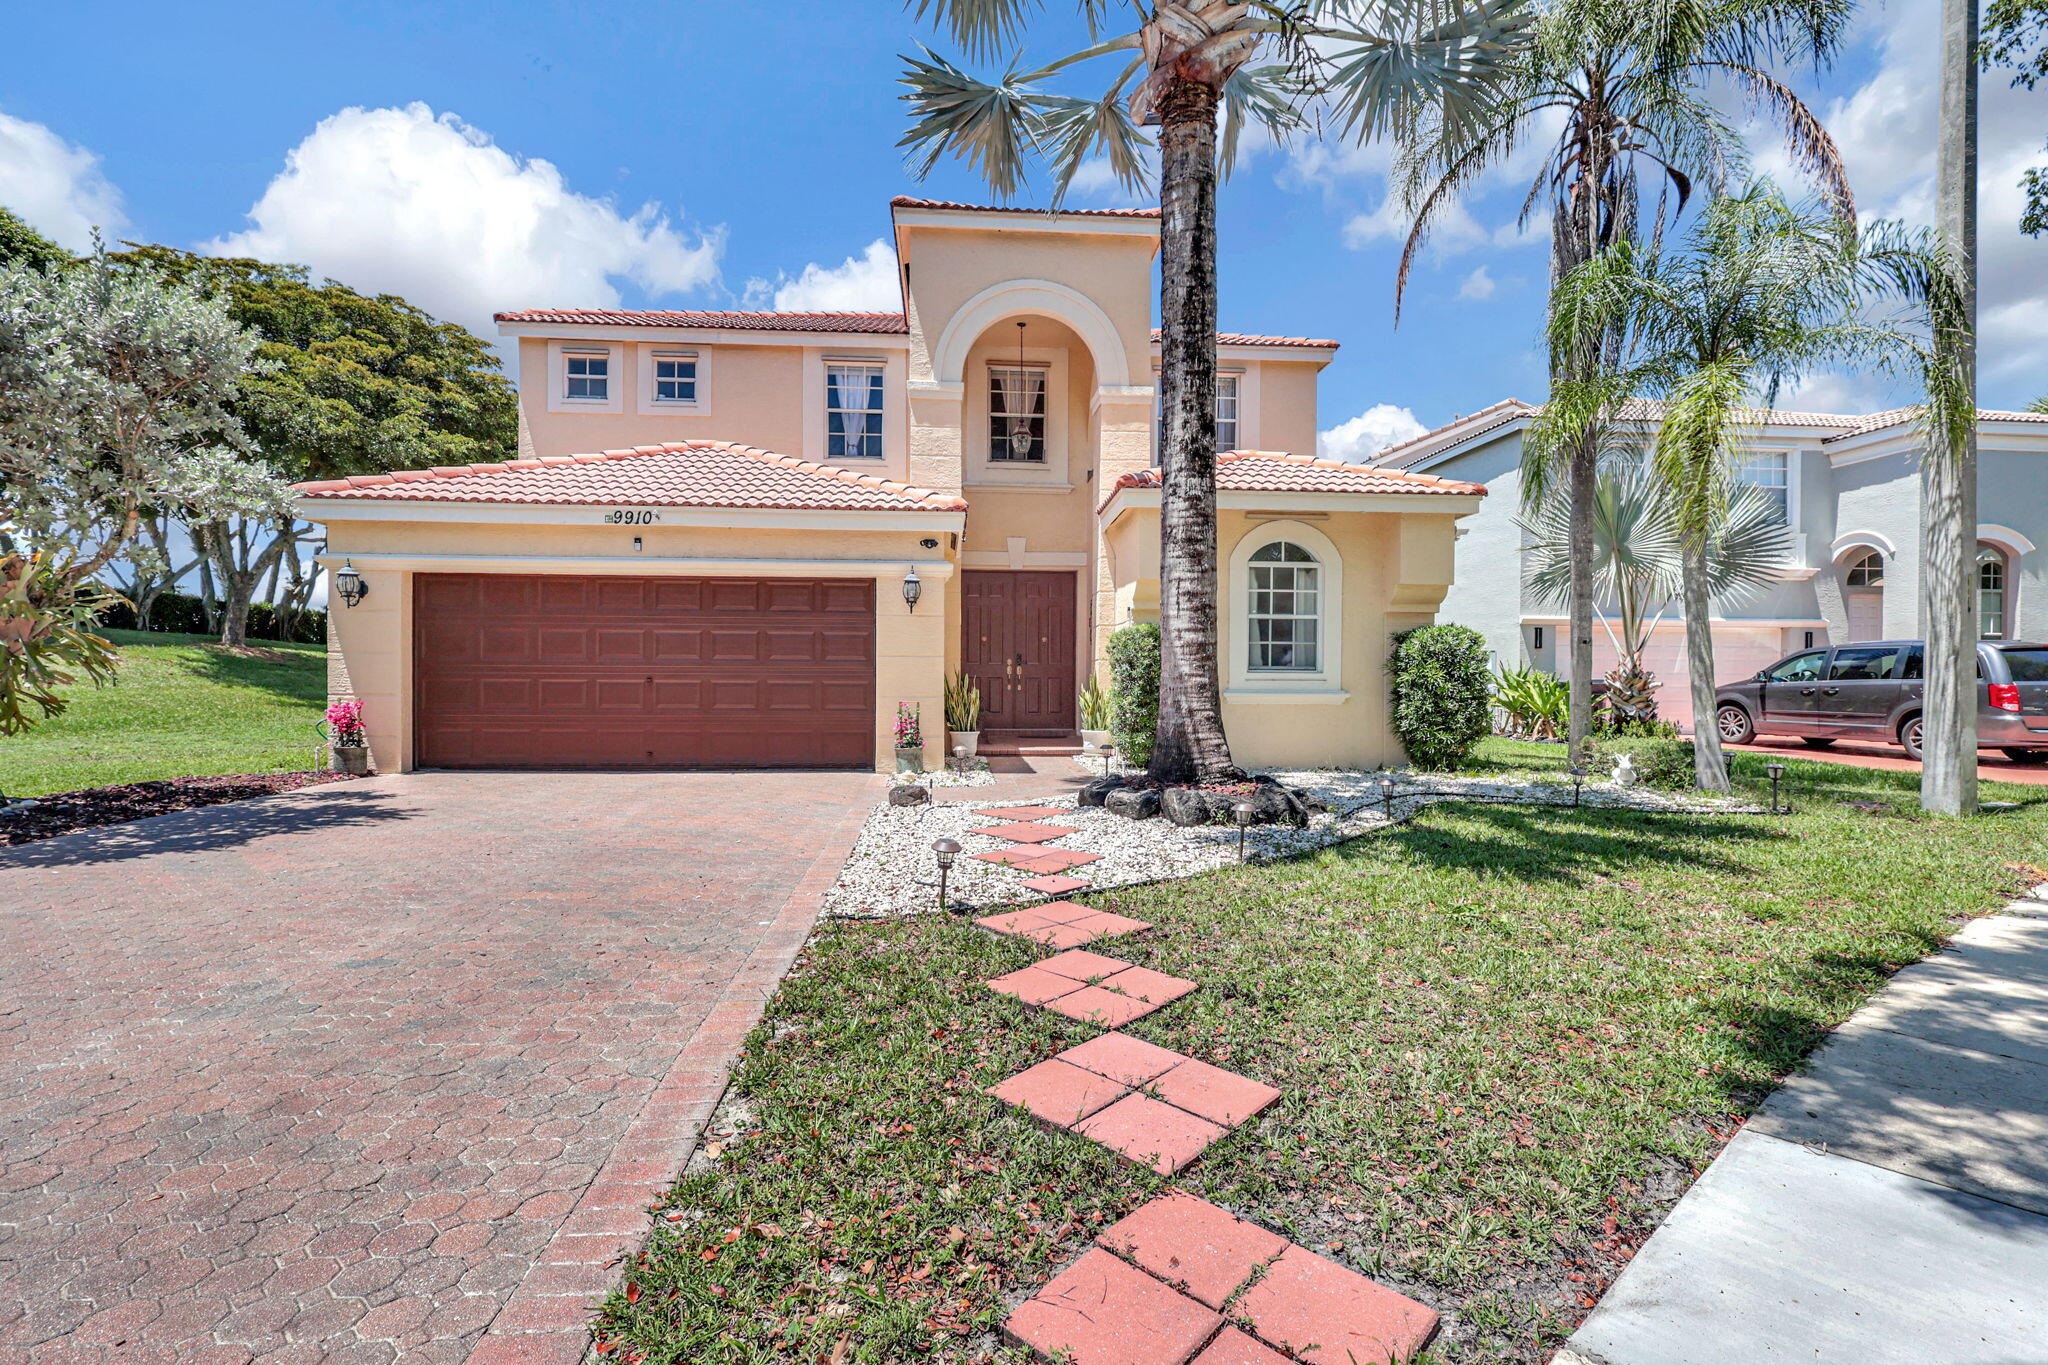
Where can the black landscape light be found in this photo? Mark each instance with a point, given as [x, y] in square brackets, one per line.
[1387, 796]
[1777, 772]
[349, 584]
[1578, 784]
[946, 851]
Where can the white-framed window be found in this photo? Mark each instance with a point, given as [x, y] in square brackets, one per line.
[675, 378]
[1229, 407]
[1771, 471]
[853, 410]
[1285, 613]
[1866, 572]
[1991, 581]
[587, 376]
[1016, 414]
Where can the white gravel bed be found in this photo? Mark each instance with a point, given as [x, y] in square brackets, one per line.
[891, 871]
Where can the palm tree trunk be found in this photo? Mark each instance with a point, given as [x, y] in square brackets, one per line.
[1710, 768]
[1190, 745]
[1948, 479]
[1584, 477]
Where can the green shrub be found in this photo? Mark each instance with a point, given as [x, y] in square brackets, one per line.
[1134, 675]
[1664, 764]
[181, 613]
[1441, 694]
[1533, 701]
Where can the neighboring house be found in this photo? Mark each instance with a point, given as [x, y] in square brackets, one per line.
[1851, 491]
[742, 539]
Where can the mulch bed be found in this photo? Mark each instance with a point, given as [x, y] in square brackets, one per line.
[63, 812]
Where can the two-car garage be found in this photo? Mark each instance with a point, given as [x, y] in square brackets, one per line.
[602, 671]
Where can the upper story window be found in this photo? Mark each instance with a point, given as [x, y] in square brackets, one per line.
[1016, 413]
[1866, 572]
[1990, 593]
[1285, 610]
[587, 375]
[675, 378]
[853, 411]
[1770, 471]
[1229, 391]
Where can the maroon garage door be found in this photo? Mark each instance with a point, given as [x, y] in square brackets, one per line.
[557, 671]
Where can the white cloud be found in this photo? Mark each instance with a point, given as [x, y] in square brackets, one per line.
[1366, 435]
[426, 206]
[1096, 181]
[867, 283]
[55, 187]
[1478, 285]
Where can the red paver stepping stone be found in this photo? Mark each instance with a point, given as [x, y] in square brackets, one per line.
[1232, 1347]
[1027, 833]
[1060, 924]
[1041, 860]
[1100, 1311]
[1217, 1095]
[1116, 1000]
[1205, 1251]
[1085, 966]
[1013, 922]
[1022, 812]
[1064, 912]
[1151, 1133]
[1122, 1058]
[1060, 1094]
[1055, 886]
[1034, 985]
[1327, 1315]
[1018, 855]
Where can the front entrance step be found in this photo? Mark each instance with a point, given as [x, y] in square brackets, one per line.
[1038, 743]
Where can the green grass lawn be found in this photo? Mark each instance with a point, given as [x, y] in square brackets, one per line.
[183, 707]
[1506, 1037]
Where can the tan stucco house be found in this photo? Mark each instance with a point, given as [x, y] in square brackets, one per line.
[741, 539]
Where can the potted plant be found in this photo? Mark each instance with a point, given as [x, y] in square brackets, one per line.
[909, 738]
[963, 714]
[1096, 705]
[347, 738]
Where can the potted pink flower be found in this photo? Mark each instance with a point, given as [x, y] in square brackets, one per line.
[348, 739]
[909, 738]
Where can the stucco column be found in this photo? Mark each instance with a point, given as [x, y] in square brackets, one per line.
[369, 651]
[1123, 443]
[910, 661]
[936, 454]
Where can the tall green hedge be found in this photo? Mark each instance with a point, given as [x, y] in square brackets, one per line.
[1440, 692]
[1134, 676]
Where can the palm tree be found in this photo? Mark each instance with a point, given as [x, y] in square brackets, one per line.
[1368, 65]
[1638, 562]
[1761, 291]
[1948, 476]
[1626, 84]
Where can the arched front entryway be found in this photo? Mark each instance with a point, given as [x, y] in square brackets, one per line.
[1863, 593]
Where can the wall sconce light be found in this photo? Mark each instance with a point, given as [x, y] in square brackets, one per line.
[946, 851]
[913, 588]
[349, 584]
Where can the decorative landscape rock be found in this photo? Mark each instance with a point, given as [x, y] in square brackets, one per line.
[1097, 791]
[1187, 806]
[1133, 803]
[909, 794]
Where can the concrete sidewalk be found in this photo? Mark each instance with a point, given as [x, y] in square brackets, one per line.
[1889, 1204]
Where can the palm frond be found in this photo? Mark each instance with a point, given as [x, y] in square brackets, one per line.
[993, 124]
[1069, 131]
[1749, 549]
[985, 28]
[1268, 96]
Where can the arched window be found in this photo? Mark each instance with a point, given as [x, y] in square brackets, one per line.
[1866, 571]
[1991, 579]
[1286, 613]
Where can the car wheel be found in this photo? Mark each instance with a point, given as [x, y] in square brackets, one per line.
[1735, 725]
[1909, 737]
[2026, 755]
[1817, 741]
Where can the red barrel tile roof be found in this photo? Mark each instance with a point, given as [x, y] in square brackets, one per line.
[866, 324]
[905, 201]
[1256, 339]
[680, 474]
[1274, 471]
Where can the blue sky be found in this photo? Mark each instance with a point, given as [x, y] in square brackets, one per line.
[475, 157]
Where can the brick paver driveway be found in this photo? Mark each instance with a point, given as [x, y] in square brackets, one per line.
[326, 1076]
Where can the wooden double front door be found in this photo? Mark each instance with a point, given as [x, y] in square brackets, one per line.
[1019, 647]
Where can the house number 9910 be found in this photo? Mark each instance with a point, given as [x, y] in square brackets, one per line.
[621, 517]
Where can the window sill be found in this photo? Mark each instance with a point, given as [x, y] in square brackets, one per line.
[1254, 695]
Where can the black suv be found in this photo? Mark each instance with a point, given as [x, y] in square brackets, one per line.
[1871, 691]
